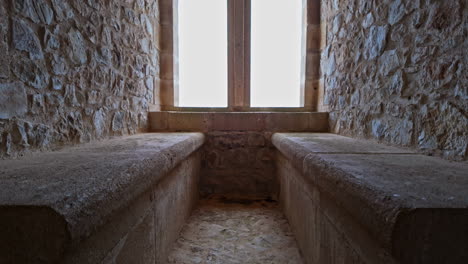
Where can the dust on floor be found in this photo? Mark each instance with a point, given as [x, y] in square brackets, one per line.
[226, 231]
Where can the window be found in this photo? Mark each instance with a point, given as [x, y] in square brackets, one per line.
[276, 43]
[240, 55]
[203, 63]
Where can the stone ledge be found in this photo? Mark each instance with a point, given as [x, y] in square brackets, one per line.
[60, 198]
[412, 204]
[239, 121]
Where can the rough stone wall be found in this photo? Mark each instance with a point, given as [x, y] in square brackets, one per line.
[73, 71]
[238, 163]
[395, 71]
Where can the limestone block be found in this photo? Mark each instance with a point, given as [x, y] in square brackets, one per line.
[389, 204]
[102, 200]
[32, 73]
[77, 50]
[375, 42]
[139, 244]
[25, 39]
[4, 61]
[13, 100]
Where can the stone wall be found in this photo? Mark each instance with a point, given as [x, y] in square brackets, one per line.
[395, 71]
[238, 163]
[73, 71]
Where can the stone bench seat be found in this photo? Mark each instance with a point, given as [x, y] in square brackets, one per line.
[405, 206]
[52, 202]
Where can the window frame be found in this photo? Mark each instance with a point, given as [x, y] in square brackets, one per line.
[239, 13]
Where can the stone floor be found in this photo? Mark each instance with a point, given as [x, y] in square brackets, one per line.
[228, 231]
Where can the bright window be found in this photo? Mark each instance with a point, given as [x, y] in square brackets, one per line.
[276, 43]
[203, 62]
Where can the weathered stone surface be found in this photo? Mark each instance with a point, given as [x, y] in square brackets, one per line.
[407, 62]
[37, 10]
[337, 21]
[397, 84]
[386, 203]
[317, 224]
[238, 163]
[59, 65]
[51, 41]
[74, 59]
[239, 121]
[54, 99]
[37, 104]
[62, 10]
[39, 136]
[117, 121]
[77, 48]
[99, 122]
[25, 39]
[57, 83]
[4, 61]
[100, 201]
[389, 62]
[19, 135]
[32, 73]
[368, 21]
[235, 230]
[396, 12]
[70, 95]
[13, 100]
[4, 40]
[375, 42]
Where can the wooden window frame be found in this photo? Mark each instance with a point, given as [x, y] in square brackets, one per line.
[239, 13]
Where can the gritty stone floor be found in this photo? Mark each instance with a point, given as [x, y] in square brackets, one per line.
[223, 230]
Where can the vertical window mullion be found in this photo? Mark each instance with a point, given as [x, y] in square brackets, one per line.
[239, 46]
[247, 39]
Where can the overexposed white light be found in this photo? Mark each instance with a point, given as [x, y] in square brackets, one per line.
[276, 43]
[202, 53]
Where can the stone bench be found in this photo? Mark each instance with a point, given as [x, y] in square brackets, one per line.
[122, 200]
[354, 201]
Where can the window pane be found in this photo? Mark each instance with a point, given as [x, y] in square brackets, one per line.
[202, 53]
[276, 37]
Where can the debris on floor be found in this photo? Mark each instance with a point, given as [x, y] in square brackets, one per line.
[223, 230]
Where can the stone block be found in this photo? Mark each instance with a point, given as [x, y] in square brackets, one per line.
[377, 204]
[189, 122]
[77, 52]
[25, 39]
[4, 60]
[87, 217]
[167, 41]
[13, 100]
[33, 73]
[139, 244]
[238, 122]
[313, 37]
[313, 66]
[167, 66]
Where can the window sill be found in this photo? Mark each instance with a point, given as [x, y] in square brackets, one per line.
[237, 109]
[224, 120]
